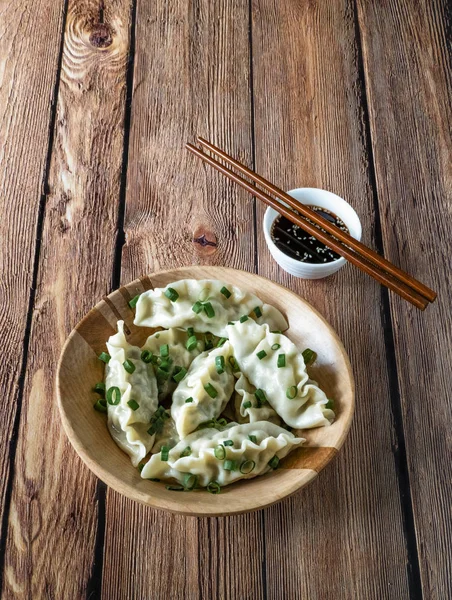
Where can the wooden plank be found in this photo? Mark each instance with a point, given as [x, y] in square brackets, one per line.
[25, 113]
[310, 132]
[191, 77]
[409, 76]
[53, 518]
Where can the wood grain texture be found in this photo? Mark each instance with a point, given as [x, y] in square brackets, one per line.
[191, 76]
[409, 93]
[308, 109]
[28, 74]
[53, 517]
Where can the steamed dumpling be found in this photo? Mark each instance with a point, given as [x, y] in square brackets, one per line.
[227, 303]
[209, 454]
[128, 425]
[207, 390]
[297, 400]
[248, 407]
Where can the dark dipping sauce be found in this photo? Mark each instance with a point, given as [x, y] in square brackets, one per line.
[300, 245]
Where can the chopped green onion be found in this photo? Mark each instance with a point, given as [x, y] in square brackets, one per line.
[247, 404]
[104, 357]
[247, 466]
[188, 400]
[192, 343]
[180, 374]
[291, 392]
[221, 422]
[276, 346]
[101, 406]
[243, 319]
[113, 395]
[157, 335]
[164, 453]
[197, 307]
[211, 390]
[164, 350]
[235, 367]
[228, 443]
[129, 366]
[262, 354]
[154, 479]
[146, 356]
[190, 481]
[253, 439]
[162, 374]
[226, 293]
[165, 365]
[276, 331]
[154, 359]
[219, 364]
[134, 301]
[257, 311]
[156, 427]
[190, 332]
[281, 361]
[230, 465]
[213, 487]
[175, 488]
[274, 462]
[219, 452]
[185, 452]
[260, 397]
[171, 294]
[141, 467]
[309, 356]
[209, 310]
[221, 341]
[330, 404]
[133, 404]
[99, 388]
[208, 342]
[230, 322]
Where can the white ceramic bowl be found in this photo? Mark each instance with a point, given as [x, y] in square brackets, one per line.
[324, 199]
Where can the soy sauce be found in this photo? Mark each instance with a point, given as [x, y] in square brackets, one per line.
[300, 245]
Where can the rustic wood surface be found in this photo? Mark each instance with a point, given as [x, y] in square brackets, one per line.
[98, 98]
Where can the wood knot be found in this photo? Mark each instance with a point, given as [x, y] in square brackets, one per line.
[205, 241]
[101, 36]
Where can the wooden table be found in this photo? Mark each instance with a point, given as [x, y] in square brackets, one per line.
[97, 100]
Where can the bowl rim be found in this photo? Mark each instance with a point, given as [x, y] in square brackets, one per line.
[313, 267]
[119, 485]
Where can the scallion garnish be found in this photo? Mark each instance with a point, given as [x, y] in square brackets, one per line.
[309, 356]
[243, 319]
[228, 443]
[247, 466]
[276, 346]
[133, 404]
[104, 357]
[281, 361]
[230, 465]
[219, 364]
[211, 390]
[146, 356]
[209, 310]
[188, 400]
[180, 374]
[219, 452]
[226, 293]
[261, 354]
[190, 332]
[247, 404]
[208, 342]
[185, 452]
[141, 467]
[99, 388]
[260, 397]
[164, 453]
[101, 406]
[213, 487]
[197, 307]
[113, 395]
[276, 331]
[129, 366]
[291, 392]
[164, 350]
[221, 422]
[235, 367]
[253, 439]
[175, 488]
[134, 301]
[165, 365]
[190, 481]
[274, 462]
[162, 374]
[257, 311]
[221, 341]
[330, 404]
[171, 294]
[192, 343]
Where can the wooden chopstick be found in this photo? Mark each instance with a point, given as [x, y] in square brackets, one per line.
[386, 279]
[344, 237]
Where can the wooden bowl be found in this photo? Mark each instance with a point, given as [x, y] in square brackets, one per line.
[79, 369]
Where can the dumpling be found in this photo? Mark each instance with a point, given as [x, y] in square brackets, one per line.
[128, 421]
[286, 385]
[204, 391]
[250, 408]
[178, 356]
[209, 455]
[206, 305]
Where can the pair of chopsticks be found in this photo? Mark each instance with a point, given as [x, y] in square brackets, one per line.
[354, 251]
